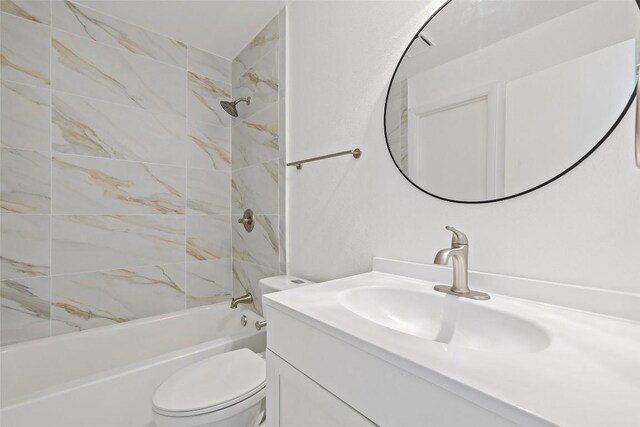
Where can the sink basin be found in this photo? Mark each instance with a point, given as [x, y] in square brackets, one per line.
[445, 318]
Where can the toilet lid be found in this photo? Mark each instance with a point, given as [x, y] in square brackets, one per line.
[211, 384]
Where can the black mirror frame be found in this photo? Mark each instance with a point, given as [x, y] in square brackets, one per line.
[595, 147]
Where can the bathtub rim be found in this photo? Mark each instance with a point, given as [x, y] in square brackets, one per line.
[11, 400]
[106, 329]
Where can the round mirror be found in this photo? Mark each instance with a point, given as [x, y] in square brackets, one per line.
[496, 98]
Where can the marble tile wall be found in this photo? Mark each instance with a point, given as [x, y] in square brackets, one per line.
[115, 172]
[258, 153]
[396, 124]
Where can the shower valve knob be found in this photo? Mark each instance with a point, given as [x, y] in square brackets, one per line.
[247, 220]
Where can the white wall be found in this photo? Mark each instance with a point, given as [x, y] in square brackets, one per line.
[582, 229]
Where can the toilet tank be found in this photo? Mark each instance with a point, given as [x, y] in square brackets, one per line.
[281, 283]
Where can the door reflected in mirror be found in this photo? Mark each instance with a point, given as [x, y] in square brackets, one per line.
[495, 98]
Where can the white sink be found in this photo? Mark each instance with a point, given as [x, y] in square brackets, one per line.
[445, 318]
[532, 345]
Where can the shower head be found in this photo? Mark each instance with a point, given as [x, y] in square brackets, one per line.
[230, 106]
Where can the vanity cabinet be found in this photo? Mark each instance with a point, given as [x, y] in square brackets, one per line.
[294, 400]
[317, 379]
[385, 348]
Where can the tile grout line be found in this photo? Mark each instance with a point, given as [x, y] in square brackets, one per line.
[260, 58]
[229, 274]
[65, 93]
[262, 109]
[186, 177]
[2, 12]
[1, 213]
[281, 141]
[139, 27]
[119, 215]
[50, 169]
[257, 164]
[111, 159]
[107, 270]
[118, 48]
[144, 29]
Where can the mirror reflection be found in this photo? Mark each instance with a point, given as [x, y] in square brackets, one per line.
[495, 98]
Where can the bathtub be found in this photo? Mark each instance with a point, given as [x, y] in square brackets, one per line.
[106, 377]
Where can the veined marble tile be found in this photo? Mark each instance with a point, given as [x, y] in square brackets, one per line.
[404, 159]
[24, 245]
[259, 246]
[255, 139]
[209, 282]
[394, 148]
[88, 300]
[404, 129]
[256, 188]
[393, 112]
[84, 67]
[398, 148]
[91, 243]
[208, 237]
[25, 51]
[102, 28]
[24, 309]
[204, 99]
[245, 279]
[396, 124]
[208, 192]
[264, 42]
[209, 65]
[88, 185]
[33, 10]
[260, 82]
[209, 146]
[25, 184]
[104, 129]
[25, 117]
[404, 108]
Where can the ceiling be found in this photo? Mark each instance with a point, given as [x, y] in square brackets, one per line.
[222, 27]
[465, 26]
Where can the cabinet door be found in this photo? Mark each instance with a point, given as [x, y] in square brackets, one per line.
[294, 400]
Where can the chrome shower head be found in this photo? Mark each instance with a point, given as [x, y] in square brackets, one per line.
[230, 106]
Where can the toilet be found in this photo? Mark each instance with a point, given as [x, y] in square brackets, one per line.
[226, 390]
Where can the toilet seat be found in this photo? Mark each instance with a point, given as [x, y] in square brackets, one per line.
[230, 381]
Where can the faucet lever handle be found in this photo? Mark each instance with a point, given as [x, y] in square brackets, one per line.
[458, 238]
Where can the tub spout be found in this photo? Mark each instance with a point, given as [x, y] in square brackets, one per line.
[244, 299]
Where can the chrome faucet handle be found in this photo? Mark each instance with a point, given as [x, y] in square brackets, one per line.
[260, 324]
[458, 238]
[247, 220]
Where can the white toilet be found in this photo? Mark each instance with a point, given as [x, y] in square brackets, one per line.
[226, 390]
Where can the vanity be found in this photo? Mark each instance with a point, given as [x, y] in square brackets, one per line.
[383, 348]
[491, 100]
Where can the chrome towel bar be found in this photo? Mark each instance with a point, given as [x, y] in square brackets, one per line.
[356, 153]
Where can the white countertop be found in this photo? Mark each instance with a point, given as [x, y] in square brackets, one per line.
[588, 375]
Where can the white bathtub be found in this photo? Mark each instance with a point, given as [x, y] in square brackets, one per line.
[105, 377]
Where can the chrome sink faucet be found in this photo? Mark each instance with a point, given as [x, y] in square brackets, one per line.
[459, 255]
